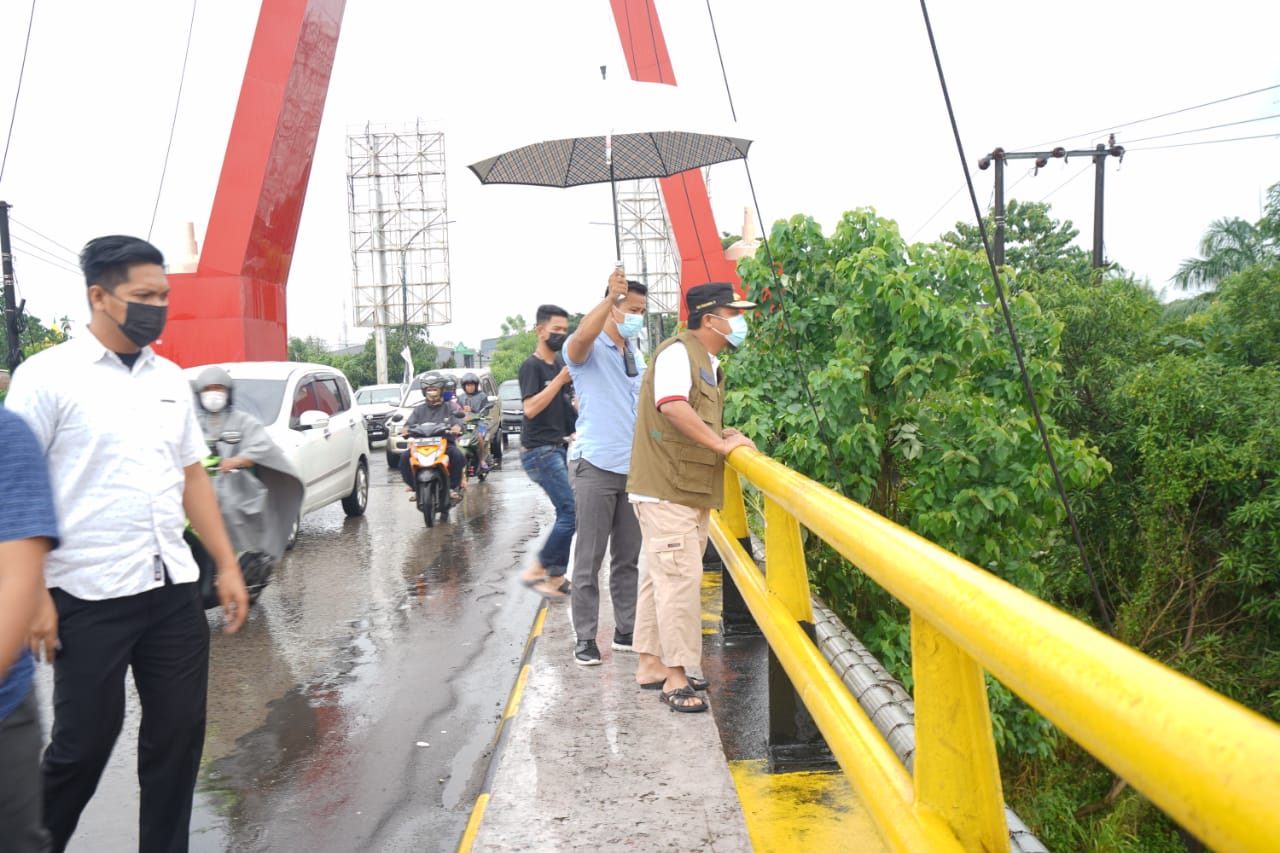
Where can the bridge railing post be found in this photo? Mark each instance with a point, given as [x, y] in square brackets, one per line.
[735, 617]
[795, 742]
[956, 773]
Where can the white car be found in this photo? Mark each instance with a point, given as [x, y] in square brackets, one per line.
[309, 412]
[413, 396]
[376, 403]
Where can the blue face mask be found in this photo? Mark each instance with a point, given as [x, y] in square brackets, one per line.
[737, 330]
[631, 325]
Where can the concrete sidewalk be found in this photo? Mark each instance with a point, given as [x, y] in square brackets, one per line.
[589, 761]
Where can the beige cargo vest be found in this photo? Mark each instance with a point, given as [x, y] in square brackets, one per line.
[664, 463]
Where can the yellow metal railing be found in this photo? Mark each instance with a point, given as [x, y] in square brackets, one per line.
[1209, 763]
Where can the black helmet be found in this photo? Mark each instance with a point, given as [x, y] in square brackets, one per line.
[432, 380]
[450, 385]
[470, 379]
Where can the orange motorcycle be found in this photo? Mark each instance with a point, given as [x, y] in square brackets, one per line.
[427, 447]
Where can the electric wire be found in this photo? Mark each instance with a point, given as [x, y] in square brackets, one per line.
[936, 213]
[1204, 142]
[631, 42]
[1114, 127]
[653, 38]
[186, 53]
[1013, 336]
[45, 255]
[1046, 196]
[827, 441]
[72, 252]
[724, 74]
[1201, 129]
[13, 117]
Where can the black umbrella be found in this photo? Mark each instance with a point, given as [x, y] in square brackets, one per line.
[597, 159]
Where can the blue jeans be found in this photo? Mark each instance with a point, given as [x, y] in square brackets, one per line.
[546, 466]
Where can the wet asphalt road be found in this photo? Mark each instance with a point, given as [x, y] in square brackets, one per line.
[357, 707]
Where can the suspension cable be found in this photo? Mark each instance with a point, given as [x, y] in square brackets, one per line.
[13, 117]
[1013, 335]
[174, 124]
[827, 441]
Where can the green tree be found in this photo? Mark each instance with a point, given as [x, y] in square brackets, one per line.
[309, 349]
[1229, 246]
[1034, 243]
[1232, 245]
[362, 367]
[35, 335]
[516, 343]
[919, 410]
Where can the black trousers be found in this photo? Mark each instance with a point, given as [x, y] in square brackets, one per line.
[162, 634]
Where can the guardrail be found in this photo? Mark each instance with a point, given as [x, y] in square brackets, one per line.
[1209, 763]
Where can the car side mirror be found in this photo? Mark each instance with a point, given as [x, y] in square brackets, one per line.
[313, 419]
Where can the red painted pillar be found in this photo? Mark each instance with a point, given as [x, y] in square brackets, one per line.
[232, 308]
[688, 206]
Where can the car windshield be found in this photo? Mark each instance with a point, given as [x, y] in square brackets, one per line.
[411, 398]
[509, 393]
[260, 397]
[366, 396]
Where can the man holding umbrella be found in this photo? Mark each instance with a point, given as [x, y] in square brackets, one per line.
[604, 363]
[676, 479]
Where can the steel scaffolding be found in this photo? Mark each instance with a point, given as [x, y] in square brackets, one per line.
[398, 209]
[649, 254]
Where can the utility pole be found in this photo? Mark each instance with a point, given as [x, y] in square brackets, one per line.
[999, 211]
[1098, 172]
[1099, 155]
[12, 324]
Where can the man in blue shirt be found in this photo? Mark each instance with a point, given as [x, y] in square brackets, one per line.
[606, 367]
[27, 532]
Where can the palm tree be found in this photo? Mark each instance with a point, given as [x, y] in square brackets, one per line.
[1229, 246]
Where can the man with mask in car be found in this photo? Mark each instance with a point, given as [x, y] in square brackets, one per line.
[434, 409]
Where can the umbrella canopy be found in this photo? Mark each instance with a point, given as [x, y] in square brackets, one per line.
[608, 159]
[585, 160]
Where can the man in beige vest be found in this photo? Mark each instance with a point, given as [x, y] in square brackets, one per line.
[676, 479]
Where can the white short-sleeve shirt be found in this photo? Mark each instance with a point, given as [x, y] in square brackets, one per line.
[671, 382]
[116, 441]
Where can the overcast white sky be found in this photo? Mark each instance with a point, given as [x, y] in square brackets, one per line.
[841, 99]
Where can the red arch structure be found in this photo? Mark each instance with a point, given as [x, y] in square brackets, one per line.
[688, 206]
[233, 307]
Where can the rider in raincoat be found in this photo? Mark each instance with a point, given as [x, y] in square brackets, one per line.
[258, 491]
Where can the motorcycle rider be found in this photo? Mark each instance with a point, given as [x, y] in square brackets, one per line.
[473, 400]
[434, 409]
[259, 510]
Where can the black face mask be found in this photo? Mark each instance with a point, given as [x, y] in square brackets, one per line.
[555, 341]
[142, 323]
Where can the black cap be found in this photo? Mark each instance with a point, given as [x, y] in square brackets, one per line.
[703, 298]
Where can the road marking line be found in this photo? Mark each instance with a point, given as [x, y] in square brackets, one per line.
[473, 824]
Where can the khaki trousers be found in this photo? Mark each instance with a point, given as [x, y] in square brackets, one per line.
[669, 599]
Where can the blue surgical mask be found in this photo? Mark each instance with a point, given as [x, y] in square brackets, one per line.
[631, 325]
[737, 330]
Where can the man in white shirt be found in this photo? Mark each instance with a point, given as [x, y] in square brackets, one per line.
[118, 430]
[676, 479]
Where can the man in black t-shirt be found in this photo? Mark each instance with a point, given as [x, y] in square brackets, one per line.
[549, 419]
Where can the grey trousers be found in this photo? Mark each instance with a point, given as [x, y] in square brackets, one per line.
[21, 788]
[605, 519]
